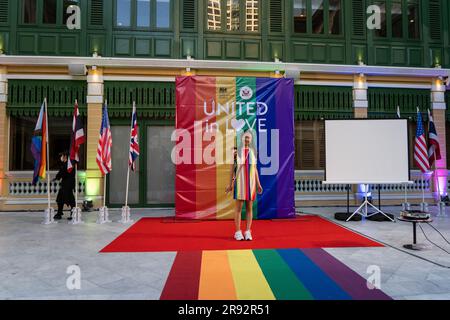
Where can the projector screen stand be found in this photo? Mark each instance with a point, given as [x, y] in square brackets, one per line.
[363, 209]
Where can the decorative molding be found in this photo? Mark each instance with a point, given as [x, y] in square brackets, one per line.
[139, 78]
[439, 106]
[34, 76]
[223, 65]
[94, 99]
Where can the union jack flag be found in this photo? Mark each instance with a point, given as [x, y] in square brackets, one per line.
[104, 144]
[134, 140]
[77, 138]
[434, 150]
[420, 146]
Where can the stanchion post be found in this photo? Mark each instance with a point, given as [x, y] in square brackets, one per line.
[103, 212]
[76, 212]
[49, 213]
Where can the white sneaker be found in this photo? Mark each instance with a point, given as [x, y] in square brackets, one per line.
[248, 235]
[238, 236]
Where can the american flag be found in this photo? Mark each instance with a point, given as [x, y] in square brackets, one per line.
[134, 140]
[420, 146]
[104, 144]
[434, 150]
[77, 138]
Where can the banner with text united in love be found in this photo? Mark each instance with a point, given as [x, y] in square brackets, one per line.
[213, 116]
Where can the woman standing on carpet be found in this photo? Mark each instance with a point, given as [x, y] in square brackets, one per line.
[245, 183]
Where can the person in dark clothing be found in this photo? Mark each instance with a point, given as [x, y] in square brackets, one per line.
[67, 187]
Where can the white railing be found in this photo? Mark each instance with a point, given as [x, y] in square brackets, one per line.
[306, 183]
[20, 185]
[311, 182]
[22, 188]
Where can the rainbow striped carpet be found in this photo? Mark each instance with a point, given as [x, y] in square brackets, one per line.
[283, 274]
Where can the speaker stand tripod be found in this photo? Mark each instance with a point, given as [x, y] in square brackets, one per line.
[363, 209]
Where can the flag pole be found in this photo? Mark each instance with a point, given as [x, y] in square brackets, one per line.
[104, 182]
[128, 171]
[423, 188]
[128, 184]
[76, 171]
[406, 193]
[76, 185]
[47, 155]
[104, 191]
[436, 176]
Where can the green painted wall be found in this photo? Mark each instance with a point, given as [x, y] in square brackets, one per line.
[276, 38]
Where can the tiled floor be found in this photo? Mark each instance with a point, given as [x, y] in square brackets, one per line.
[34, 259]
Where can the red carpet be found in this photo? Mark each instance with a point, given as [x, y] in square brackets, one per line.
[162, 234]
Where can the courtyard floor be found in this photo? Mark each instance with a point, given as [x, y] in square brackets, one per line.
[34, 258]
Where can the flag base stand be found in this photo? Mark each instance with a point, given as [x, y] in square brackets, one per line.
[76, 216]
[406, 206]
[103, 216]
[424, 207]
[441, 209]
[49, 213]
[126, 216]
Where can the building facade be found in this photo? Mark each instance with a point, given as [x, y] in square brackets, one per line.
[133, 50]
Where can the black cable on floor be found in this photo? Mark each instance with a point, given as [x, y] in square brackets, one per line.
[437, 246]
[438, 232]
[388, 245]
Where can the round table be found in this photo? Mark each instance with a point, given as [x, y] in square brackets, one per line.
[414, 245]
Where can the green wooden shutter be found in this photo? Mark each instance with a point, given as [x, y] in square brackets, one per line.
[189, 10]
[321, 143]
[314, 102]
[311, 145]
[383, 102]
[25, 97]
[96, 13]
[435, 20]
[276, 15]
[3, 11]
[307, 154]
[155, 100]
[358, 18]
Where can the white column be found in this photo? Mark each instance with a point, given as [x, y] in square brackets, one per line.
[3, 85]
[439, 107]
[94, 180]
[360, 102]
[360, 111]
[95, 86]
[3, 135]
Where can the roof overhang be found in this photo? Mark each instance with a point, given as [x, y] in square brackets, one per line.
[291, 69]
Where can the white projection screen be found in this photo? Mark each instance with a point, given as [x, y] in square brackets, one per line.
[366, 151]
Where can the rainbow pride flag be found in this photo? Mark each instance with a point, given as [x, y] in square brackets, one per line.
[212, 115]
[283, 274]
[39, 146]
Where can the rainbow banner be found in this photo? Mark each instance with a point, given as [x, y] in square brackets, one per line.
[39, 146]
[212, 115]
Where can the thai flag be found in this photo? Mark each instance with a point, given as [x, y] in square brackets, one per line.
[420, 146]
[434, 150]
[104, 144]
[134, 141]
[39, 146]
[77, 138]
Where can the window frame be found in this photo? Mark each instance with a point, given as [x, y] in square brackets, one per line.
[405, 21]
[242, 19]
[40, 15]
[317, 128]
[53, 155]
[326, 21]
[133, 18]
